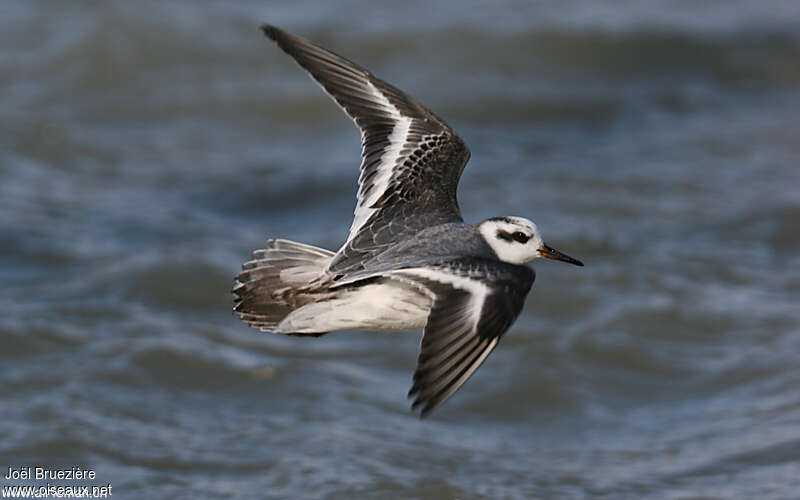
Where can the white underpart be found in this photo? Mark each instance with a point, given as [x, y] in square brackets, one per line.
[387, 306]
[513, 252]
[387, 165]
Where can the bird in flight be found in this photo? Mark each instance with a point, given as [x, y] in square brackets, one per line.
[410, 261]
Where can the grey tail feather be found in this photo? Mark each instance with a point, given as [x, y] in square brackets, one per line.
[271, 285]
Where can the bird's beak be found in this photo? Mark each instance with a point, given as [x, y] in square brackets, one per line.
[552, 253]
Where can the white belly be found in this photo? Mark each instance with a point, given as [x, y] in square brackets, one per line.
[383, 306]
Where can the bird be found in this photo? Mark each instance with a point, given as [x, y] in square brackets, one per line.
[409, 262]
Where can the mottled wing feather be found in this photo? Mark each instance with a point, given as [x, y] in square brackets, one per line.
[409, 155]
[475, 302]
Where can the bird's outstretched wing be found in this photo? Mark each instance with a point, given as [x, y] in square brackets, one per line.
[411, 160]
[474, 302]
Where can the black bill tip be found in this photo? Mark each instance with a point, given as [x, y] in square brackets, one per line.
[552, 253]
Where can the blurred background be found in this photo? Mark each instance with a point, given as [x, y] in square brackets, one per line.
[147, 148]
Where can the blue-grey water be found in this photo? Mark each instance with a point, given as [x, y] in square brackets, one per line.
[147, 148]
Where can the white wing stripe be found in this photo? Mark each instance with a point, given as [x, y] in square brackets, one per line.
[397, 141]
[477, 290]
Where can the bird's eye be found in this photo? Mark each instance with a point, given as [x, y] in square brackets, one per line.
[520, 236]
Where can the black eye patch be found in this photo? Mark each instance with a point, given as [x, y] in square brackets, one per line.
[520, 236]
[517, 236]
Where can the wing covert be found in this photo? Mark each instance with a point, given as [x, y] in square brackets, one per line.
[411, 159]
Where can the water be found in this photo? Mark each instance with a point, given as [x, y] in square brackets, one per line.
[147, 149]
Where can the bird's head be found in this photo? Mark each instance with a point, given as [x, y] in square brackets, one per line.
[517, 240]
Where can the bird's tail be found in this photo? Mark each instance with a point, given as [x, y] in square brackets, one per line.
[272, 285]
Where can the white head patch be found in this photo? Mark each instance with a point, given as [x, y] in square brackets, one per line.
[514, 239]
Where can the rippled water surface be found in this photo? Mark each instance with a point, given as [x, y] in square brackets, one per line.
[147, 148]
